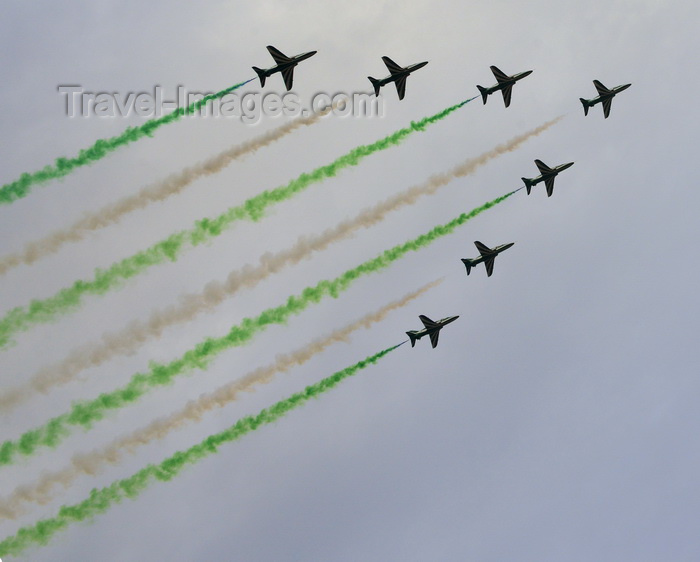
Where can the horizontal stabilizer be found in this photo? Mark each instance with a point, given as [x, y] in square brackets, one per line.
[412, 336]
[484, 93]
[586, 105]
[261, 74]
[528, 184]
[468, 264]
[376, 85]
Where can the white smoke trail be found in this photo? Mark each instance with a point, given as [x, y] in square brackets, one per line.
[127, 340]
[43, 491]
[159, 191]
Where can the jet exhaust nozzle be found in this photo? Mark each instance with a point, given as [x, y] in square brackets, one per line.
[528, 184]
[586, 105]
[376, 85]
[484, 93]
[261, 74]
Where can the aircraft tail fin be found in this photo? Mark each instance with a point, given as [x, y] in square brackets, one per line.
[376, 85]
[412, 336]
[528, 184]
[586, 105]
[484, 93]
[261, 74]
[468, 264]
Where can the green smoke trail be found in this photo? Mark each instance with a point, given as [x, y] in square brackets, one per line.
[69, 298]
[101, 500]
[87, 412]
[63, 166]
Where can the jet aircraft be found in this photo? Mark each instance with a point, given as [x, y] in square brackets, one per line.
[605, 97]
[488, 256]
[505, 84]
[285, 65]
[547, 175]
[398, 75]
[431, 328]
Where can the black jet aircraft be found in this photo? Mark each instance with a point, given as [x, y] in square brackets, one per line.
[547, 175]
[488, 256]
[605, 97]
[285, 65]
[431, 328]
[505, 84]
[398, 76]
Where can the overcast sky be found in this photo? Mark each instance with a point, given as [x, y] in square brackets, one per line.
[556, 420]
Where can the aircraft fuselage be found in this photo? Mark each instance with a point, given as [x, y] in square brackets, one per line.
[281, 67]
[506, 83]
[494, 252]
[402, 74]
[418, 334]
[601, 98]
[555, 171]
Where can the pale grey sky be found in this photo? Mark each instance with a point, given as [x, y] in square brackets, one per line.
[557, 418]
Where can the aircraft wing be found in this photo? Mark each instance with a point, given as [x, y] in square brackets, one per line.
[401, 86]
[288, 75]
[549, 183]
[489, 265]
[434, 338]
[427, 322]
[602, 90]
[542, 167]
[507, 91]
[392, 66]
[607, 104]
[484, 250]
[499, 74]
[278, 55]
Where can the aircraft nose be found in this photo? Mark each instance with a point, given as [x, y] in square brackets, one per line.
[567, 165]
[620, 88]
